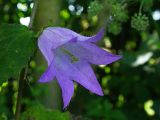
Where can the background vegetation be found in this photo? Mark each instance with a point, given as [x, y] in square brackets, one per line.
[131, 86]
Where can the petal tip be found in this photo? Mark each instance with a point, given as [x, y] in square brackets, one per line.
[65, 104]
[98, 36]
[42, 81]
[65, 107]
[119, 57]
[100, 93]
[114, 58]
[102, 30]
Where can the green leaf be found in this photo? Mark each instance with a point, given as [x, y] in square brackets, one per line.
[16, 48]
[38, 112]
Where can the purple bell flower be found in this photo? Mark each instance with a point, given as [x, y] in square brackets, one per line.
[69, 56]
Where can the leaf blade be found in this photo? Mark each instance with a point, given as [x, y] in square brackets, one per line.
[16, 47]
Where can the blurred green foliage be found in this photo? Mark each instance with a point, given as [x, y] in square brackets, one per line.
[94, 8]
[140, 22]
[131, 86]
[41, 113]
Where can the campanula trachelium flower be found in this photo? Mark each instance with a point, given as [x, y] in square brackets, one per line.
[69, 56]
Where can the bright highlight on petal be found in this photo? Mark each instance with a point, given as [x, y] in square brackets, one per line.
[69, 56]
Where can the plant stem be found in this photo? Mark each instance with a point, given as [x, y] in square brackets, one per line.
[141, 6]
[22, 78]
[33, 14]
[23, 73]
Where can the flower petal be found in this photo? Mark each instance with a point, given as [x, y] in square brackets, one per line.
[67, 87]
[91, 83]
[48, 75]
[58, 36]
[68, 55]
[54, 37]
[97, 37]
[91, 53]
[45, 46]
[79, 71]
[68, 34]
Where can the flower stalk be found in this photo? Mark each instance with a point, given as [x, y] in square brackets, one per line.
[22, 78]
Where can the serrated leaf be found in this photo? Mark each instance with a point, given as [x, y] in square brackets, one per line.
[16, 47]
